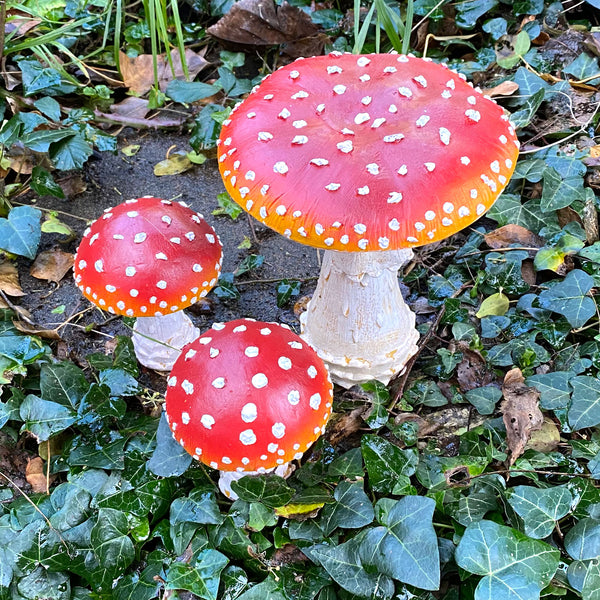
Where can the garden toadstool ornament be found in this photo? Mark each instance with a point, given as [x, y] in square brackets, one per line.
[248, 397]
[365, 156]
[150, 258]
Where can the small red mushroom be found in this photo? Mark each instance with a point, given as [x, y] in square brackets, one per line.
[248, 397]
[369, 156]
[150, 258]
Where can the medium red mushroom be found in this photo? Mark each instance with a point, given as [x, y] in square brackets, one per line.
[365, 156]
[150, 258]
[248, 397]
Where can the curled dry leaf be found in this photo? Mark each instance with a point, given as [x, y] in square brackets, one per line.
[138, 72]
[472, 371]
[503, 237]
[506, 88]
[301, 305]
[342, 426]
[9, 279]
[175, 164]
[52, 265]
[36, 475]
[520, 412]
[31, 328]
[262, 23]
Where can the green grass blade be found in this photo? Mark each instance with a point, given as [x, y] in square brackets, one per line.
[408, 26]
[180, 43]
[359, 41]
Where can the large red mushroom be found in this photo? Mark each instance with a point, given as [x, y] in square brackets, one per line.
[365, 156]
[150, 258]
[248, 397]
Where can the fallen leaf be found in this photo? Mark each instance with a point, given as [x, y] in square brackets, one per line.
[340, 428]
[174, 165]
[9, 279]
[287, 554]
[301, 305]
[36, 476]
[138, 72]
[545, 439]
[35, 329]
[131, 149]
[472, 371]
[520, 412]
[52, 224]
[528, 272]
[497, 304]
[299, 512]
[262, 23]
[131, 107]
[52, 265]
[506, 88]
[72, 185]
[503, 237]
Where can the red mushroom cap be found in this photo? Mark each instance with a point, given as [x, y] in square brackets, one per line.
[248, 396]
[147, 257]
[371, 152]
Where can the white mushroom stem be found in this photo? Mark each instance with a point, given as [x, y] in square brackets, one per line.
[227, 477]
[357, 320]
[158, 340]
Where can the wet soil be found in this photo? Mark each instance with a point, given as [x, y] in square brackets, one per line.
[112, 179]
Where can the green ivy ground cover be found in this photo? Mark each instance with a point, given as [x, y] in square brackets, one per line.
[415, 492]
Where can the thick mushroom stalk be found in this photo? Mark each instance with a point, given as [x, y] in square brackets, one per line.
[158, 340]
[357, 319]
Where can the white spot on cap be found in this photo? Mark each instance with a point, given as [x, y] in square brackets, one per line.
[390, 70]
[403, 170]
[280, 167]
[264, 189]
[404, 91]
[446, 94]
[319, 229]
[394, 224]
[111, 288]
[207, 420]
[363, 191]
[294, 74]
[450, 84]
[472, 100]
[508, 163]
[264, 136]
[473, 193]
[448, 208]
[132, 214]
[446, 222]
[247, 437]
[226, 460]
[299, 124]
[99, 265]
[251, 115]
[339, 89]
[444, 136]
[465, 160]
[278, 430]
[218, 383]
[393, 108]
[383, 243]
[373, 168]
[345, 146]
[272, 447]
[430, 166]
[300, 139]
[160, 256]
[331, 69]
[190, 354]
[422, 121]
[419, 226]
[394, 197]
[213, 352]
[162, 284]
[429, 215]
[284, 363]
[133, 293]
[294, 397]
[320, 108]
[377, 123]
[312, 371]
[463, 211]
[332, 187]
[251, 351]
[82, 264]
[503, 139]
[473, 115]
[363, 61]
[281, 210]
[185, 418]
[480, 209]
[300, 94]
[412, 239]
[361, 118]
[284, 114]
[319, 162]
[138, 238]
[420, 80]
[249, 412]
[315, 401]
[495, 167]
[259, 381]
[360, 228]
[394, 137]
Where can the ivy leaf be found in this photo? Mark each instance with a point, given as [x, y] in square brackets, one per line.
[353, 508]
[70, 153]
[187, 92]
[508, 209]
[468, 12]
[64, 383]
[169, 459]
[271, 490]
[43, 418]
[559, 192]
[513, 566]
[540, 508]
[386, 463]
[406, 547]
[584, 410]
[142, 586]
[484, 399]
[43, 184]
[582, 541]
[344, 565]
[569, 298]
[554, 389]
[199, 507]
[495, 305]
[20, 232]
[201, 577]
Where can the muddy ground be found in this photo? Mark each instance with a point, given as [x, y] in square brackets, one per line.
[114, 178]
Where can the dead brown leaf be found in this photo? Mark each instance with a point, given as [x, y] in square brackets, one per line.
[52, 265]
[528, 272]
[503, 237]
[520, 412]
[472, 371]
[133, 111]
[301, 305]
[9, 279]
[506, 88]
[36, 476]
[72, 185]
[545, 439]
[131, 107]
[35, 329]
[261, 23]
[138, 72]
[344, 426]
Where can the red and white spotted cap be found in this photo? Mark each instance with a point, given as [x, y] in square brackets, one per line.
[366, 152]
[147, 257]
[248, 396]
